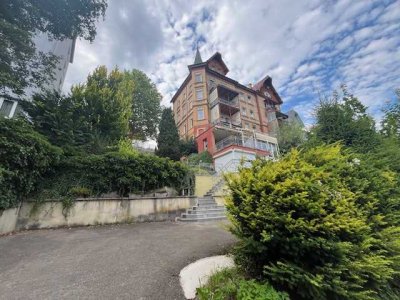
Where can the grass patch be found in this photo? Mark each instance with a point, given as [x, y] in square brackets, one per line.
[231, 284]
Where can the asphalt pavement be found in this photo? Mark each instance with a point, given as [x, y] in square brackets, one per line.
[131, 261]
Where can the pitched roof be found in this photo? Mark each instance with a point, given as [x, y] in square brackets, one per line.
[259, 84]
[217, 56]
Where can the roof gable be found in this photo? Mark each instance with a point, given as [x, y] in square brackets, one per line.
[217, 64]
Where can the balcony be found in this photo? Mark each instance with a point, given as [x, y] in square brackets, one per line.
[248, 142]
[226, 99]
[227, 123]
[229, 141]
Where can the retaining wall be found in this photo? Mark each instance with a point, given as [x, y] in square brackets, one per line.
[93, 211]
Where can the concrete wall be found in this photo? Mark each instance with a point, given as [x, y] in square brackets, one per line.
[94, 211]
[8, 220]
[203, 183]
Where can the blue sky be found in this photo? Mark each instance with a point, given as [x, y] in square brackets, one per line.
[307, 47]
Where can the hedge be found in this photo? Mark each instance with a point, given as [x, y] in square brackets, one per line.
[25, 157]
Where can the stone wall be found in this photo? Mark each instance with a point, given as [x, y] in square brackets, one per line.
[8, 220]
[93, 211]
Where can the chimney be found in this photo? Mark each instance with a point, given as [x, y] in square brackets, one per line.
[250, 85]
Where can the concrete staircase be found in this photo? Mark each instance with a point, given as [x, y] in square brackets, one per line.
[206, 208]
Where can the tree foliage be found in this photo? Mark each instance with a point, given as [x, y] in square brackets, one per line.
[168, 137]
[94, 115]
[187, 146]
[391, 119]
[291, 135]
[146, 108]
[344, 119]
[25, 157]
[320, 224]
[21, 65]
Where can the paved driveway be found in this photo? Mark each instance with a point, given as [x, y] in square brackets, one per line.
[138, 261]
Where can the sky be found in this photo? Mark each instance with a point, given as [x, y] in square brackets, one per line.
[309, 48]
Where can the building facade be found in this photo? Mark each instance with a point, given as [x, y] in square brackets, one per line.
[230, 120]
[64, 50]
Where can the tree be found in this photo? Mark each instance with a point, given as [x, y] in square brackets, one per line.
[291, 135]
[146, 109]
[187, 146]
[94, 115]
[344, 120]
[391, 119]
[105, 100]
[168, 138]
[322, 223]
[20, 64]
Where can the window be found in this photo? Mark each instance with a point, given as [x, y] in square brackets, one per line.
[191, 123]
[6, 108]
[244, 113]
[251, 113]
[241, 96]
[198, 78]
[184, 129]
[247, 126]
[205, 144]
[199, 94]
[200, 113]
[254, 127]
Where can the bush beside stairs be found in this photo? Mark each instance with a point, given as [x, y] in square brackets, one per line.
[206, 208]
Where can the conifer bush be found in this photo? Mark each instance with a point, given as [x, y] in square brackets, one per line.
[319, 224]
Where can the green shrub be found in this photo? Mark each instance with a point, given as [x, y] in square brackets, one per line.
[25, 157]
[231, 284]
[202, 157]
[80, 192]
[320, 224]
[123, 173]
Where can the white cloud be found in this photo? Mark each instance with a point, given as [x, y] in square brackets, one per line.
[306, 46]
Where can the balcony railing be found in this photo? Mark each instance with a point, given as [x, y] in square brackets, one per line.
[232, 103]
[227, 124]
[248, 142]
[230, 140]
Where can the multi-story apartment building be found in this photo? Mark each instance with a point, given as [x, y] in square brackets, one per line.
[230, 120]
[64, 50]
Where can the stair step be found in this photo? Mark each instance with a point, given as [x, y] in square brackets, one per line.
[200, 209]
[201, 219]
[207, 207]
[205, 213]
[206, 202]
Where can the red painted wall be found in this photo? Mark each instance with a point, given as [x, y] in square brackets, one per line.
[208, 135]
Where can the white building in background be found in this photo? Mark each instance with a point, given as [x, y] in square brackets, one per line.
[64, 50]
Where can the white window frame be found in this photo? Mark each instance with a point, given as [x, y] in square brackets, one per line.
[244, 111]
[13, 108]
